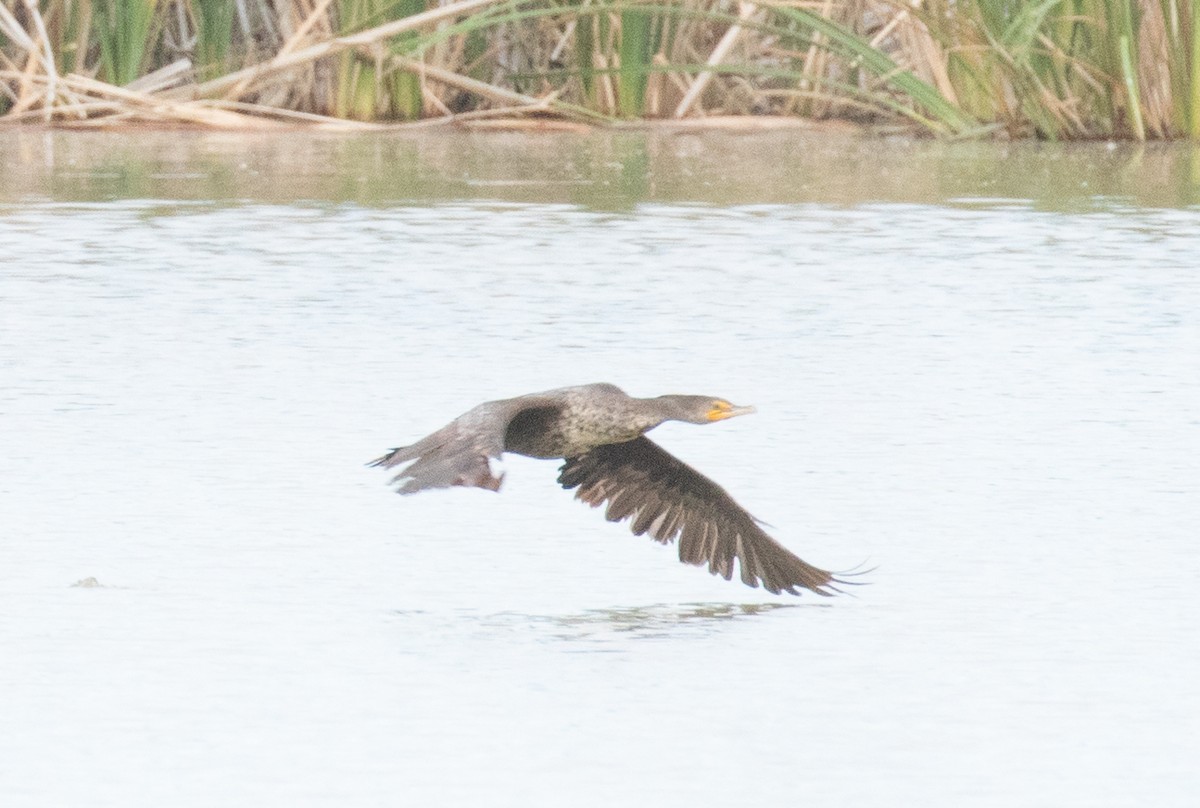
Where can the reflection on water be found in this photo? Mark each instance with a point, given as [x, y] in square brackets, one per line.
[603, 171]
[659, 621]
[608, 629]
[974, 365]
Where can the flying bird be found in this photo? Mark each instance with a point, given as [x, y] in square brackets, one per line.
[599, 431]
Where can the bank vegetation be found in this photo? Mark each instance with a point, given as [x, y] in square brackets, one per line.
[1057, 69]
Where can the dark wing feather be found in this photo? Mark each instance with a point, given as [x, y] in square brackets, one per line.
[460, 452]
[669, 500]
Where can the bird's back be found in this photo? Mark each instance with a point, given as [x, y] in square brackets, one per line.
[570, 421]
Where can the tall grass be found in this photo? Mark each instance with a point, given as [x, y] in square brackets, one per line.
[1192, 110]
[1056, 69]
[366, 89]
[1074, 68]
[214, 36]
[634, 58]
[123, 29]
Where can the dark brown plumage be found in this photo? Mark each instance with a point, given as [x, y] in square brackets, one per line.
[598, 430]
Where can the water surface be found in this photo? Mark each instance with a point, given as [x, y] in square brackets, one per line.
[975, 368]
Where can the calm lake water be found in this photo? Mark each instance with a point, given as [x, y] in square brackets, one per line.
[976, 369]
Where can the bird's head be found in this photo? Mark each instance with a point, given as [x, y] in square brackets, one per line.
[700, 409]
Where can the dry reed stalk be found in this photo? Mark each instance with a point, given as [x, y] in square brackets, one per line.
[605, 83]
[289, 44]
[478, 114]
[828, 98]
[527, 125]
[288, 61]
[48, 57]
[4, 88]
[151, 106]
[162, 78]
[1154, 72]
[429, 98]
[38, 52]
[887, 29]
[322, 122]
[14, 30]
[745, 11]
[816, 65]
[734, 123]
[482, 88]
[660, 82]
[1036, 68]
[931, 62]
[81, 109]
[113, 121]
[24, 95]
[1067, 108]
[297, 36]
[27, 92]
[562, 40]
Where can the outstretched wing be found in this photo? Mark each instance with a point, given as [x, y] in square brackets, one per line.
[460, 453]
[668, 499]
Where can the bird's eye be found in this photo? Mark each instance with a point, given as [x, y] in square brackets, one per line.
[722, 405]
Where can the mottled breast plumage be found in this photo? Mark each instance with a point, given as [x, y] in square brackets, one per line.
[584, 419]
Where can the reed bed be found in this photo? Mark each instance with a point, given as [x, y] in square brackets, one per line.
[1056, 69]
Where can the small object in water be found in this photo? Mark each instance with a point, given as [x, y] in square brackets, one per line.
[598, 430]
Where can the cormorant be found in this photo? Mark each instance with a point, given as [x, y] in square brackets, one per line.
[598, 430]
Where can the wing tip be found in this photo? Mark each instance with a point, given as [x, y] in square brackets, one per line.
[818, 581]
[388, 460]
[829, 587]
